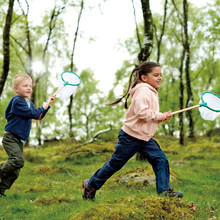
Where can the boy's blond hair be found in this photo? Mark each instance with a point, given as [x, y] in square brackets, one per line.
[19, 78]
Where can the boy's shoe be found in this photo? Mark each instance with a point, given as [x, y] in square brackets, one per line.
[2, 193]
[89, 192]
[171, 193]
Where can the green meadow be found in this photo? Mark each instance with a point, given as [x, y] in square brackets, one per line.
[50, 184]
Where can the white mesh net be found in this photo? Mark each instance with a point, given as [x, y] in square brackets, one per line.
[213, 102]
[71, 78]
[68, 90]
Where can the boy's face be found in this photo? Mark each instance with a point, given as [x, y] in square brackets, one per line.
[24, 89]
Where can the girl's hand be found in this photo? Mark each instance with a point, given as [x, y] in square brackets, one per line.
[167, 115]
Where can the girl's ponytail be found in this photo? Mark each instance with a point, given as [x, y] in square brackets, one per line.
[116, 101]
[143, 69]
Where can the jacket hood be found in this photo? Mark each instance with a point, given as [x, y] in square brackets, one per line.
[142, 85]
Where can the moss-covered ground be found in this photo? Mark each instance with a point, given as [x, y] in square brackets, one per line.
[50, 184]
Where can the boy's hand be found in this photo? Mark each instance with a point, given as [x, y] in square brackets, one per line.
[51, 98]
[46, 105]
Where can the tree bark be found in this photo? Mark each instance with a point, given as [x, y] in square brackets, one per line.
[6, 46]
[71, 69]
[159, 41]
[189, 101]
[147, 43]
[181, 99]
[137, 31]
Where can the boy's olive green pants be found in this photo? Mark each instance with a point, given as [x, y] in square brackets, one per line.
[9, 170]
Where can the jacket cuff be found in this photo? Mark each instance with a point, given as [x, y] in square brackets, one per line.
[160, 116]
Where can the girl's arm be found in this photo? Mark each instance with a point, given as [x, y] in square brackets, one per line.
[168, 117]
[145, 104]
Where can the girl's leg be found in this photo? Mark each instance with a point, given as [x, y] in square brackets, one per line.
[156, 157]
[126, 147]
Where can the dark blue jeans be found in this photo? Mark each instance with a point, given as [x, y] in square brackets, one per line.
[126, 147]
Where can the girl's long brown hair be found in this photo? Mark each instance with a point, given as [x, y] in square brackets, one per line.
[143, 69]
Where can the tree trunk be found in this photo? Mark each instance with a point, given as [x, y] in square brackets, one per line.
[137, 31]
[70, 119]
[71, 69]
[187, 70]
[147, 44]
[159, 41]
[6, 46]
[181, 99]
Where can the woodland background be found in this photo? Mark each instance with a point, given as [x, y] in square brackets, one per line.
[184, 39]
[78, 135]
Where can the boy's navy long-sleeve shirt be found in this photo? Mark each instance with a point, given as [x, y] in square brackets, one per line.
[19, 116]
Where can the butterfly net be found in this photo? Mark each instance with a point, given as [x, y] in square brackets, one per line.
[211, 110]
[71, 81]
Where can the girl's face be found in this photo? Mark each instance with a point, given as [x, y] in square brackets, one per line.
[153, 78]
[24, 89]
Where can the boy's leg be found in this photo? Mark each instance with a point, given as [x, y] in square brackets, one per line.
[126, 147]
[9, 170]
[159, 162]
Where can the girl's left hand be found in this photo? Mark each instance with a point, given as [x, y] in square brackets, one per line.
[168, 116]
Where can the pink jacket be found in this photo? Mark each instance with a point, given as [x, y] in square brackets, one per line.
[143, 114]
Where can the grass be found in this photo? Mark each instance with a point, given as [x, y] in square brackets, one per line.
[49, 186]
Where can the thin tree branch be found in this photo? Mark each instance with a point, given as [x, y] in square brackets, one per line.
[90, 141]
[137, 31]
[21, 60]
[76, 34]
[178, 13]
[19, 43]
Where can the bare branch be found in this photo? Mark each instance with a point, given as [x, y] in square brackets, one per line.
[90, 141]
[76, 34]
[178, 13]
[19, 43]
[19, 57]
[162, 31]
[137, 31]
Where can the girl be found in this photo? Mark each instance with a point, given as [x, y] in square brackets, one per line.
[139, 127]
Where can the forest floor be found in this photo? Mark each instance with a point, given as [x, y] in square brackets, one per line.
[50, 184]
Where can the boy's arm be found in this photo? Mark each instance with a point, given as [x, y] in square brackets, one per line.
[46, 106]
[20, 108]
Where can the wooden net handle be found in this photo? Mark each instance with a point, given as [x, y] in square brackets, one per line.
[185, 109]
[58, 90]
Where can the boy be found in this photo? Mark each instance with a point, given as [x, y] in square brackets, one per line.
[19, 114]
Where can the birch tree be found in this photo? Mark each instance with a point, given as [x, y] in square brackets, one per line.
[147, 44]
[71, 69]
[6, 45]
